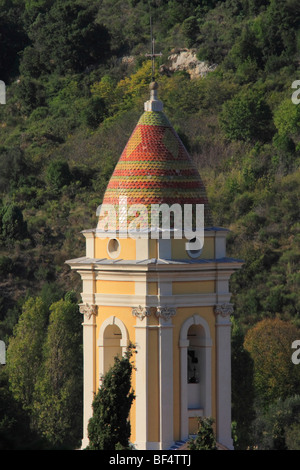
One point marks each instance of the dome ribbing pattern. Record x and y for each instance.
(155, 168)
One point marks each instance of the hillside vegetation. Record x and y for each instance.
(77, 77)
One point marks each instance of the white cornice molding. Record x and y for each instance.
(171, 266)
(179, 275)
(190, 300)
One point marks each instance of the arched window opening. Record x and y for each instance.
(113, 341)
(112, 345)
(196, 373)
(195, 358)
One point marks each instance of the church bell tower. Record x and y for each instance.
(171, 301)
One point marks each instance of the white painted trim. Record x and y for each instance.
(150, 276)
(220, 245)
(164, 248)
(90, 244)
(113, 254)
(142, 248)
(190, 300)
(166, 383)
(194, 413)
(89, 329)
(223, 381)
(207, 266)
(141, 383)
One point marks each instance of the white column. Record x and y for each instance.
(223, 345)
(90, 244)
(141, 386)
(184, 426)
(165, 338)
(89, 348)
(164, 248)
(166, 383)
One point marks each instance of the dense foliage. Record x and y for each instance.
(77, 77)
(44, 367)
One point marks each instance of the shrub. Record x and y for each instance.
(205, 439)
(58, 174)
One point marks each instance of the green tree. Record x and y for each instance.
(245, 47)
(205, 439)
(95, 112)
(15, 431)
(13, 39)
(109, 427)
(278, 427)
(269, 343)
(242, 388)
(24, 352)
(279, 25)
(13, 225)
(246, 117)
(65, 38)
(13, 168)
(58, 392)
(58, 174)
(190, 30)
(31, 93)
(287, 118)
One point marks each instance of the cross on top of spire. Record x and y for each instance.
(153, 54)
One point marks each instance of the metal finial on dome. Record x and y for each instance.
(153, 104)
(153, 54)
(153, 86)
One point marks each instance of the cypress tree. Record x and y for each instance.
(109, 428)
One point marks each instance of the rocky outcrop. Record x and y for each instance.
(186, 59)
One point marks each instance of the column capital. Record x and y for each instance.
(88, 310)
(224, 310)
(165, 312)
(141, 312)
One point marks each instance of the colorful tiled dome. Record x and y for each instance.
(155, 167)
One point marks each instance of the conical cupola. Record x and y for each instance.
(155, 167)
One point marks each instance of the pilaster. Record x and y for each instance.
(223, 382)
(89, 348)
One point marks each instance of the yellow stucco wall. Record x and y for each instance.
(128, 248)
(193, 425)
(178, 248)
(153, 248)
(153, 390)
(152, 288)
(115, 287)
(127, 251)
(193, 287)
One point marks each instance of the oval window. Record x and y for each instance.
(194, 253)
(113, 248)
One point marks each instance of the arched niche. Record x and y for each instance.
(113, 341)
(195, 368)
